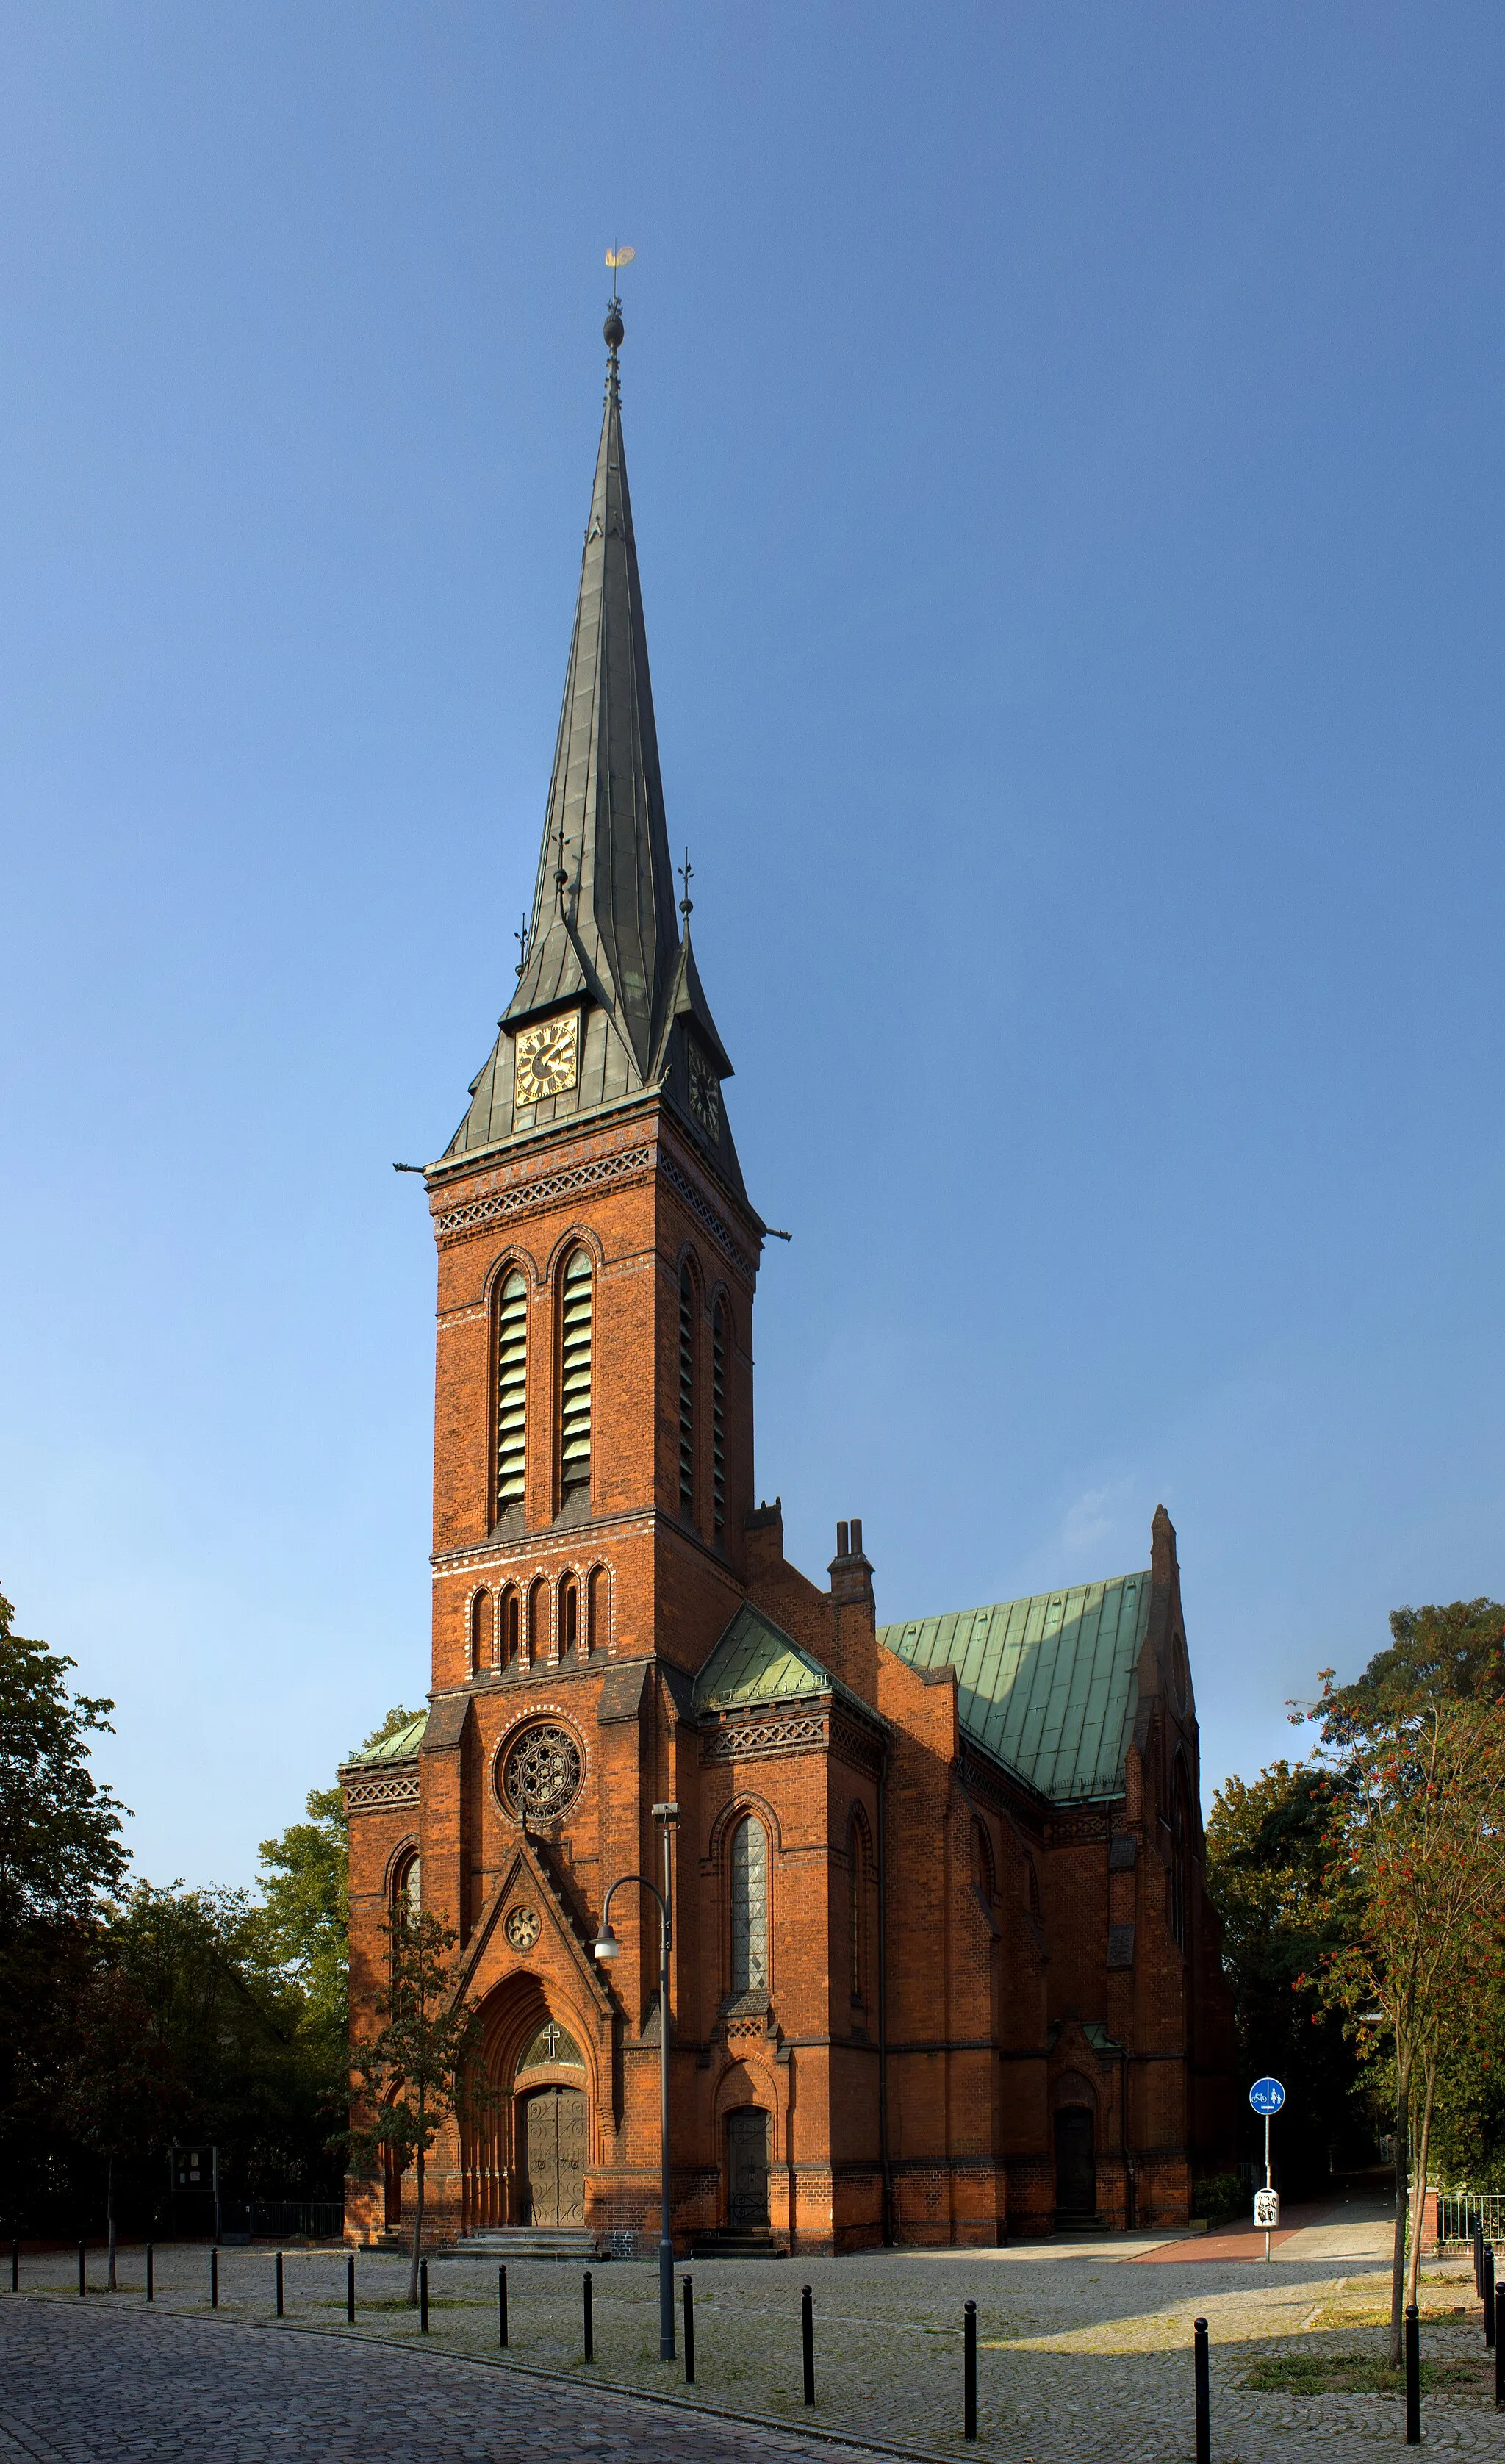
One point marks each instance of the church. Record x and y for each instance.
(942, 1966)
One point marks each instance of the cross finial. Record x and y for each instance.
(686, 872)
(612, 330)
(522, 941)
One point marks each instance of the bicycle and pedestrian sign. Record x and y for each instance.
(1267, 2096)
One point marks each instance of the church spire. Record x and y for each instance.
(603, 909)
(608, 1004)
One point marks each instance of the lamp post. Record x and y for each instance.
(606, 1948)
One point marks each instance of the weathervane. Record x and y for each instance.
(686, 872)
(613, 329)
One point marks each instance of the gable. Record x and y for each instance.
(755, 1662)
(1047, 1686)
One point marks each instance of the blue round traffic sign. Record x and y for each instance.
(1267, 2096)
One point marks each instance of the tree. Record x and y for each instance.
(118, 2089)
(60, 1848)
(1417, 1817)
(412, 2071)
(305, 1917)
(1268, 1860)
(1435, 1654)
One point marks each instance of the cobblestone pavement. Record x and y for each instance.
(1084, 2359)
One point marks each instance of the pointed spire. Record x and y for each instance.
(603, 910)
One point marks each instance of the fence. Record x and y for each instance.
(1459, 2210)
(295, 2219)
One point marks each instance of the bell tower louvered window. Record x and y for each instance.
(686, 1391)
(749, 1908)
(719, 1414)
(574, 1408)
(512, 1391)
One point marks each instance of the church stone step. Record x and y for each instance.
(528, 2242)
(751, 2242)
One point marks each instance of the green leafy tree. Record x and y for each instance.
(60, 1846)
(305, 1917)
(1436, 1654)
(412, 2073)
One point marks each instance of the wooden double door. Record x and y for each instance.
(554, 2156)
(747, 2168)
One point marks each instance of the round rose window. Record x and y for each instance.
(541, 1776)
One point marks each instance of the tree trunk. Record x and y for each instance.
(1422, 2155)
(1403, 2125)
(418, 2234)
(109, 2215)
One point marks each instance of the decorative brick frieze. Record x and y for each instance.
(757, 1739)
(706, 1215)
(380, 1795)
(532, 1195)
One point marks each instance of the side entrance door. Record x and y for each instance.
(747, 2168)
(554, 2138)
(1075, 2163)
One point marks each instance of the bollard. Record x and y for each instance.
(1413, 2377)
(423, 2297)
(15, 2267)
(83, 2281)
(501, 2307)
(1203, 2390)
(969, 2371)
(689, 2331)
(114, 2287)
(1477, 2237)
(808, 2339)
(588, 2317)
(280, 2284)
(151, 2291)
(1499, 2348)
(1489, 2294)
(349, 2290)
(214, 2282)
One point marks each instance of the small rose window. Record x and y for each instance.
(541, 1776)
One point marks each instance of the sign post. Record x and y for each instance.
(1267, 2096)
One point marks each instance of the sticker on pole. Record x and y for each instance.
(1267, 2210)
(1267, 2096)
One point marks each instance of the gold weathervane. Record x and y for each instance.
(616, 257)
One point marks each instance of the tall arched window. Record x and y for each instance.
(568, 1616)
(686, 1391)
(598, 1609)
(510, 1628)
(574, 1374)
(749, 1908)
(1177, 1880)
(512, 1391)
(983, 1862)
(857, 1913)
(718, 1342)
(407, 1879)
(538, 1620)
(482, 1630)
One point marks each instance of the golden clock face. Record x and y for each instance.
(706, 1093)
(548, 1058)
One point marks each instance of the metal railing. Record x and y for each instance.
(1459, 2210)
(295, 2219)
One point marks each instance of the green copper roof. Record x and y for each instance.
(1047, 1686)
(755, 1662)
(393, 1750)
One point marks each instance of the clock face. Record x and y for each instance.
(706, 1093)
(548, 1058)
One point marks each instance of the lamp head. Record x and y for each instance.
(606, 1945)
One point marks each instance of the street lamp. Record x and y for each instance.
(606, 1948)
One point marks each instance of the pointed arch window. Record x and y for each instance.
(537, 1619)
(686, 1391)
(482, 1633)
(512, 1391)
(574, 1380)
(718, 1342)
(510, 1628)
(749, 1908)
(1180, 1827)
(598, 1609)
(857, 1859)
(568, 1616)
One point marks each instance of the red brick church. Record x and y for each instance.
(943, 1968)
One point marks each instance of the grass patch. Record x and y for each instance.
(1347, 2374)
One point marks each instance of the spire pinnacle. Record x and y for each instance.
(686, 872)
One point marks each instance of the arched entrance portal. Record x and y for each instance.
(525, 2130)
(1075, 2164)
(747, 2168)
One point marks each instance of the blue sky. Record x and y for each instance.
(1065, 450)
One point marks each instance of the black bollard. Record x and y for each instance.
(1203, 2390)
(1488, 2294)
(423, 2297)
(349, 2289)
(1499, 2348)
(808, 2339)
(83, 2281)
(1413, 2377)
(15, 2267)
(588, 2317)
(969, 2371)
(280, 2284)
(689, 2331)
(501, 2307)
(151, 2290)
(214, 2282)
